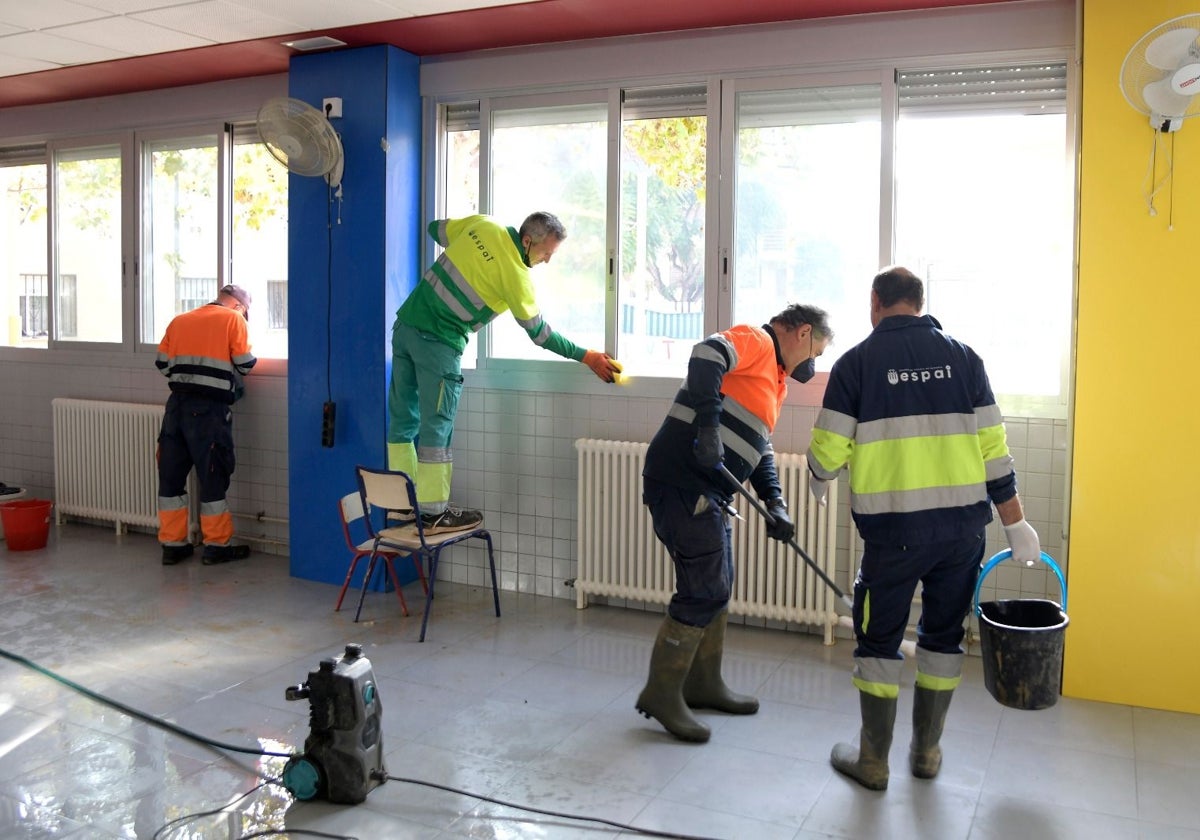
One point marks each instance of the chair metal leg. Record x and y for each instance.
(421, 572)
(346, 582)
(492, 563)
(387, 558)
(366, 579)
(433, 558)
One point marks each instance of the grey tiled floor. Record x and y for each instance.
(534, 708)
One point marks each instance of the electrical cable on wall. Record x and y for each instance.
(1153, 187)
(329, 409)
(302, 138)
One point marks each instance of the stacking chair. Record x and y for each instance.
(351, 510)
(391, 490)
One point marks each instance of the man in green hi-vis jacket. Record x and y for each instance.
(483, 272)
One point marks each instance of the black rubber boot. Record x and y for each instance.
(216, 554)
(929, 718)
(662, 698)
(868, 764)
(172, 554)
(704, 688)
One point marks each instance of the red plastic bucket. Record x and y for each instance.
(26, 523)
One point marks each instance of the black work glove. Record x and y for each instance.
(709, 451)
(782, 529)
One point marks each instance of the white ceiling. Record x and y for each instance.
(37, 35)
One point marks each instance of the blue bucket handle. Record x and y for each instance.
(1001, 556)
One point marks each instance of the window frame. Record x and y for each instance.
(143, 140)
(31, 135)
(718, 296)
(55, 150)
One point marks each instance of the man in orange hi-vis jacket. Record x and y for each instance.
(204, 354)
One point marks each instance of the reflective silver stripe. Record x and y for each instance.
(988, 415)
(708, 353)
(836, 422)
(434, 454)
(915, 425)
(203, 361)
(461, 283)
(998, 467)
(172, 502)
(729, 346)
(945, 665)
(730, 439)
(907, 501)
(819, 471)
(735, 409)
(199, 379)
(878, 671)
(244, 361)
(214, 508)
(447, 297)
(543, 329)
(440, 235)
(739, 412)
(741, 446)
(681, 412)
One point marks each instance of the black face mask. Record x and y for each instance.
(805, 371)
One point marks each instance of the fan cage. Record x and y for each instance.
(1137, 72)
(299, 136)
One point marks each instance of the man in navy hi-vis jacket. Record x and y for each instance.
(910, 411)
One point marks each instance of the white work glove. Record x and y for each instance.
(818, 487)
(1024, 542)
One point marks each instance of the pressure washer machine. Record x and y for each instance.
(343, 754)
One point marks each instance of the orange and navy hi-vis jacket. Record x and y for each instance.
(205, 352)
(736, 380)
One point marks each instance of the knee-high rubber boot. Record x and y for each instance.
(704, 688)
(929, 718)
(868, 764)
(662, 698)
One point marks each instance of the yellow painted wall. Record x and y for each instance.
(1134, 586)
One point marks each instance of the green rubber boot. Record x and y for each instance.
(868, 764)
(929, 718)
(704, 688)
(662, 698)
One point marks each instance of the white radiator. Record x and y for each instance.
(619, 555)
(104, 461)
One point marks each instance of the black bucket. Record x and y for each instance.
(1022, 644)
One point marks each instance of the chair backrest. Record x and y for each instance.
(351, 509)
(385, 489)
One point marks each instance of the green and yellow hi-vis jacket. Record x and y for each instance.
(481, 273)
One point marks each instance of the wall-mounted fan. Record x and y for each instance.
(301, 138)
(1161, 74)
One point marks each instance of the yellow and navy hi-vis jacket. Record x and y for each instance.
(910, 410)
(481, 273)
(736, 380)
(206, 352)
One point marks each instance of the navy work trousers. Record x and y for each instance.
(695, 530)
(887, 581)
(195, 431)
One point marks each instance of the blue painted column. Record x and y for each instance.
(350, 263)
